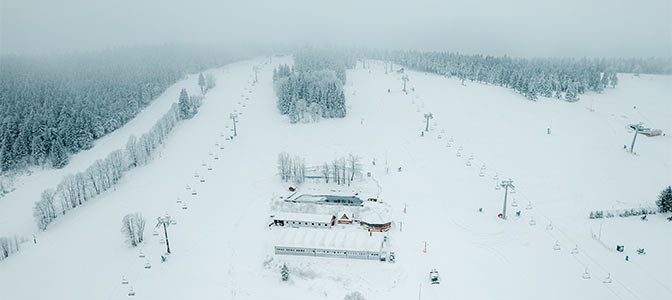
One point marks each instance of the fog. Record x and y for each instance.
(527, 28)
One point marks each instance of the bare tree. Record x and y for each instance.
(132, 151)
(336, 170)
(133, 228)
(284, 166)
(326, 172)
(354, 165)
(44, 210)
(8, 246)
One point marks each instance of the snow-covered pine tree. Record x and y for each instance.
(354, 296)
(570, 95)
(201, 82)
(284, 272)
(613, 80)
(605, 79)
(58, 156)
(185, 105)
(664, 201)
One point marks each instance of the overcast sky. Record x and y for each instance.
(530, 28)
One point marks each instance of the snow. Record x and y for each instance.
(222, 247)
(340, 237)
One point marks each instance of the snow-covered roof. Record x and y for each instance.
(336, 238)
(287, 216)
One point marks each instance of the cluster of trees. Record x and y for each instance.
(9, 246)
(600, 214)
(188, 105)
(354, 296)
(206, 83)
(313, 88)
(291, 168)
(58, 105)
(133, 228)
(561, 78)
(664, 204)
(103, 174)
(342, 170)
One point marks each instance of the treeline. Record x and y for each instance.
(313, 88)
(55, 106)
(561, 78)
(340, 171)
(103, 174)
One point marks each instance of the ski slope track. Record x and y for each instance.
(222, 247)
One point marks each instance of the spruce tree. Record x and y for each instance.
(285, 273)
(201, 82)
(185, 105)
(664, 201)
(605, 79)
(570, 96)
(614, 80)
(59, 156)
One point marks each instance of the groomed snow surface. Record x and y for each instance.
(223, 249)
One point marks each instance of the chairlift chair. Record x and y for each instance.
(575, 250)
(124, 280)
(608, 279)
(532, 221)
(556, 247)
(585, 275)
(131, 292)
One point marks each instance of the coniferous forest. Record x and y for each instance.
(313, 87)
(55, 106)
(562, 78)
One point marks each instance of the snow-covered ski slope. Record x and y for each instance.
(220, 242)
